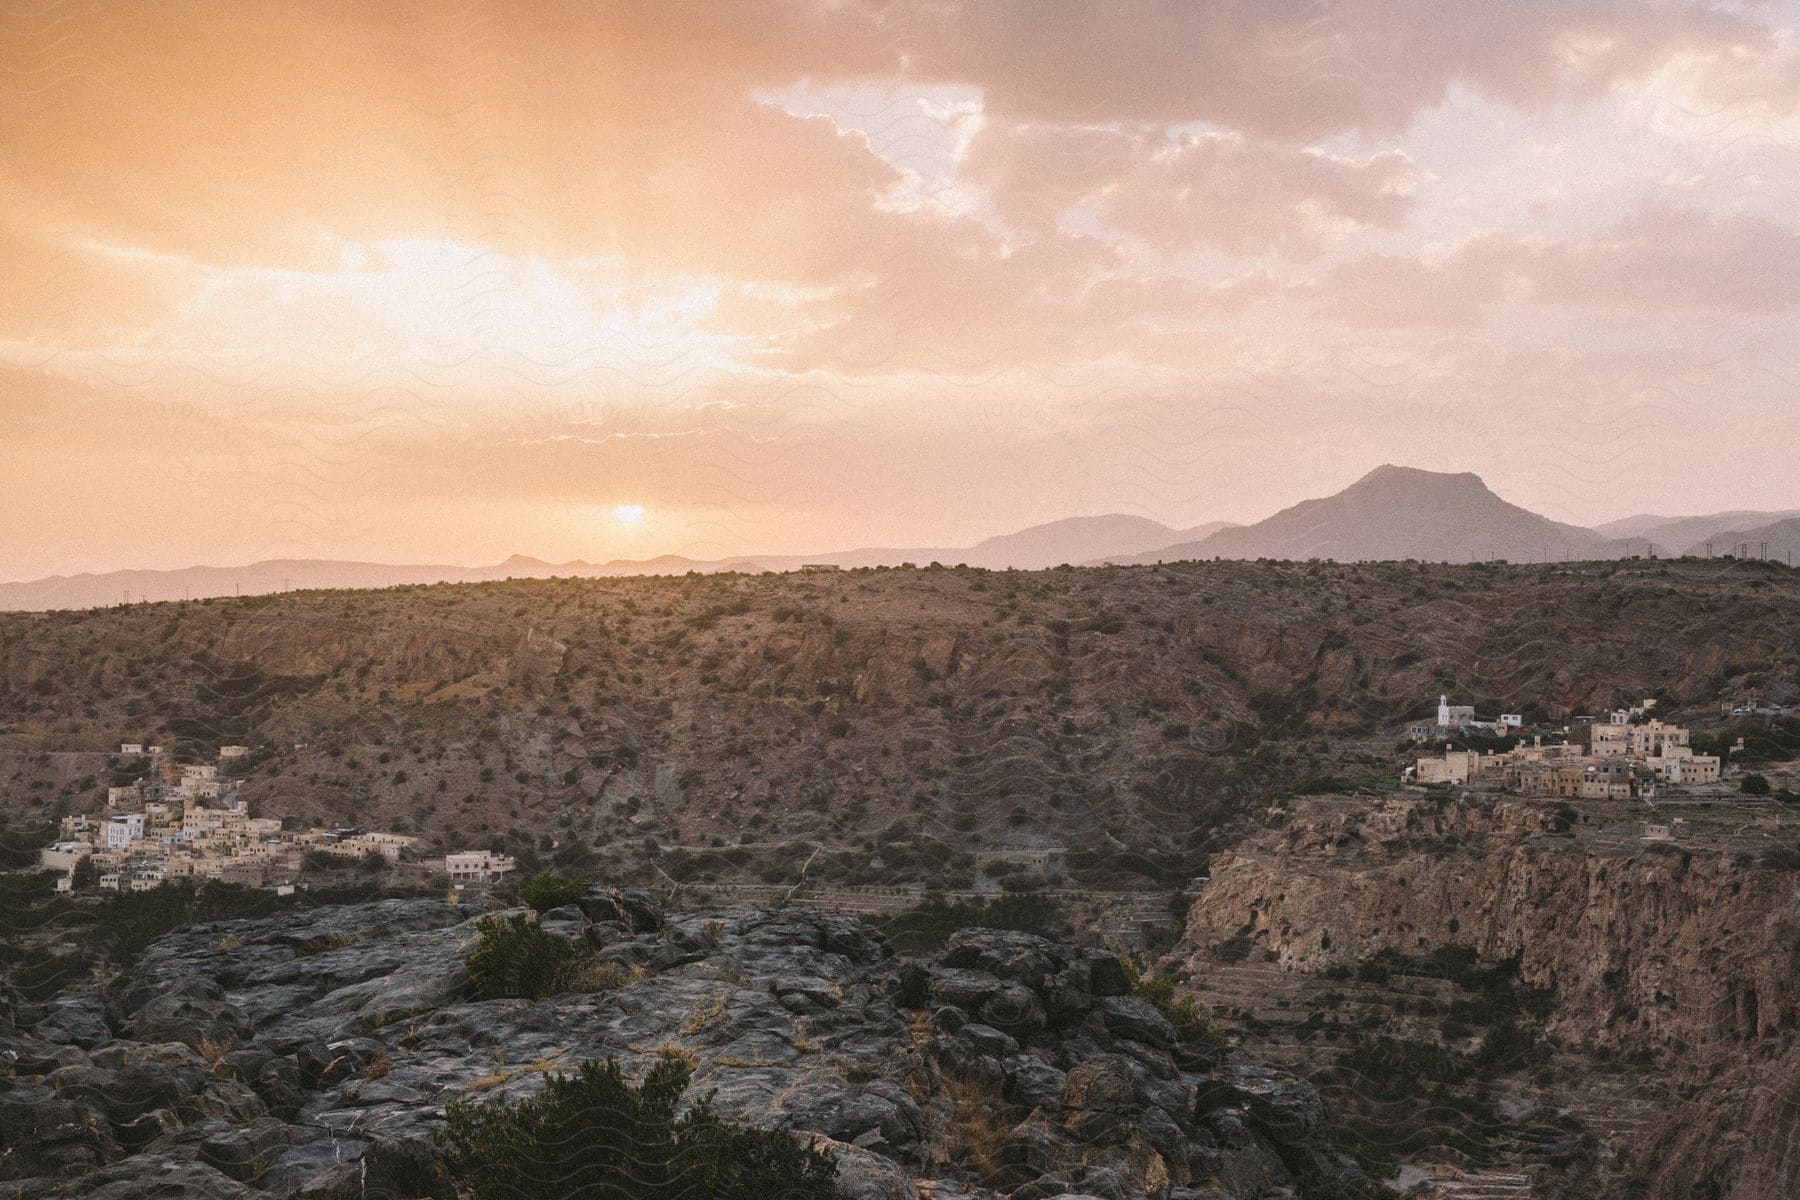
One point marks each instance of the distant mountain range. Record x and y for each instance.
(1390, 513)
(1779, 540)
(1396, 513)
(1674, 534)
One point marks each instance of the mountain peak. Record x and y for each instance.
(1394, 473)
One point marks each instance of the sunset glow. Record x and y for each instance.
(346, 282)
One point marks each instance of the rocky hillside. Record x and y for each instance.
(890, 720)
(1578, 1006)
(310, 1055)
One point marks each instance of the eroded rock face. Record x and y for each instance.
(1011, 1067)
(1681, 964)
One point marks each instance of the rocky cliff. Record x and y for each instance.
(1675, 965)
(310, 1055)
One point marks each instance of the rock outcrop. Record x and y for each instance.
(239, 1060)
(1677, 965)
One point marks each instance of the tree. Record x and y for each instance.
(85, 876)
(592, 1134)
(516, 959)
(548, 889)
(1754, 785)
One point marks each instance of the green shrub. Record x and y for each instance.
(516, 959)
(547, 890)
(591, 1134)
(1754, 785)
(1193, 1024)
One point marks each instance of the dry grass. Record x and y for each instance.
(602, 977)
(213, 1050)
(489, 1082)
(378, 1066)
(231, 942)
(977, 1134)
(703, 1017)
(682, 1052)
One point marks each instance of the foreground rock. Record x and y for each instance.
(233, 1062)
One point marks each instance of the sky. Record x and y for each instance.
(443, 283)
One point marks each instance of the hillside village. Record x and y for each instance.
(186, 821)
(1629, 755)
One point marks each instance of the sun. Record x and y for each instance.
(628, 514)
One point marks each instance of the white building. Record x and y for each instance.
(226, 753)
(1453, 714)
(131, 747)
(476, 866)
(122, 829)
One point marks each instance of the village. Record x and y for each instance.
(1629, 755)
(186, 821)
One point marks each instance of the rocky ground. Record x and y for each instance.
(311, 1055)
(1518, 1000)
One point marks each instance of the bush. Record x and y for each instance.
(515, 959)
(547, 890)
(1754, 785)
(1193, 1024)
(591, 1134)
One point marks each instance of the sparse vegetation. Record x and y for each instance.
(548, 889)
(516, 959)
(1193, 1024)
(595, 1135)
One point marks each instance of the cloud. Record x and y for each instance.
(1656, 259)
(710, 250)
(1178, 191)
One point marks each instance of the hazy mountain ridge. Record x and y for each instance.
(1402, 513)
(1778, 541)
(1392, 513)
(1676, 535)
(1071, 540)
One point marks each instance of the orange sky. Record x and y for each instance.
(596, 280)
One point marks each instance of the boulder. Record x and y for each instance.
(865, 1175)
(1099, 1098)
(77, 1020)
(245, 1152)
(964, 989)
(192, 1011)
(1273, 1100)
(1007, 954)
(1136, 1019)
(1016, 1009)
(1032, 1082)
